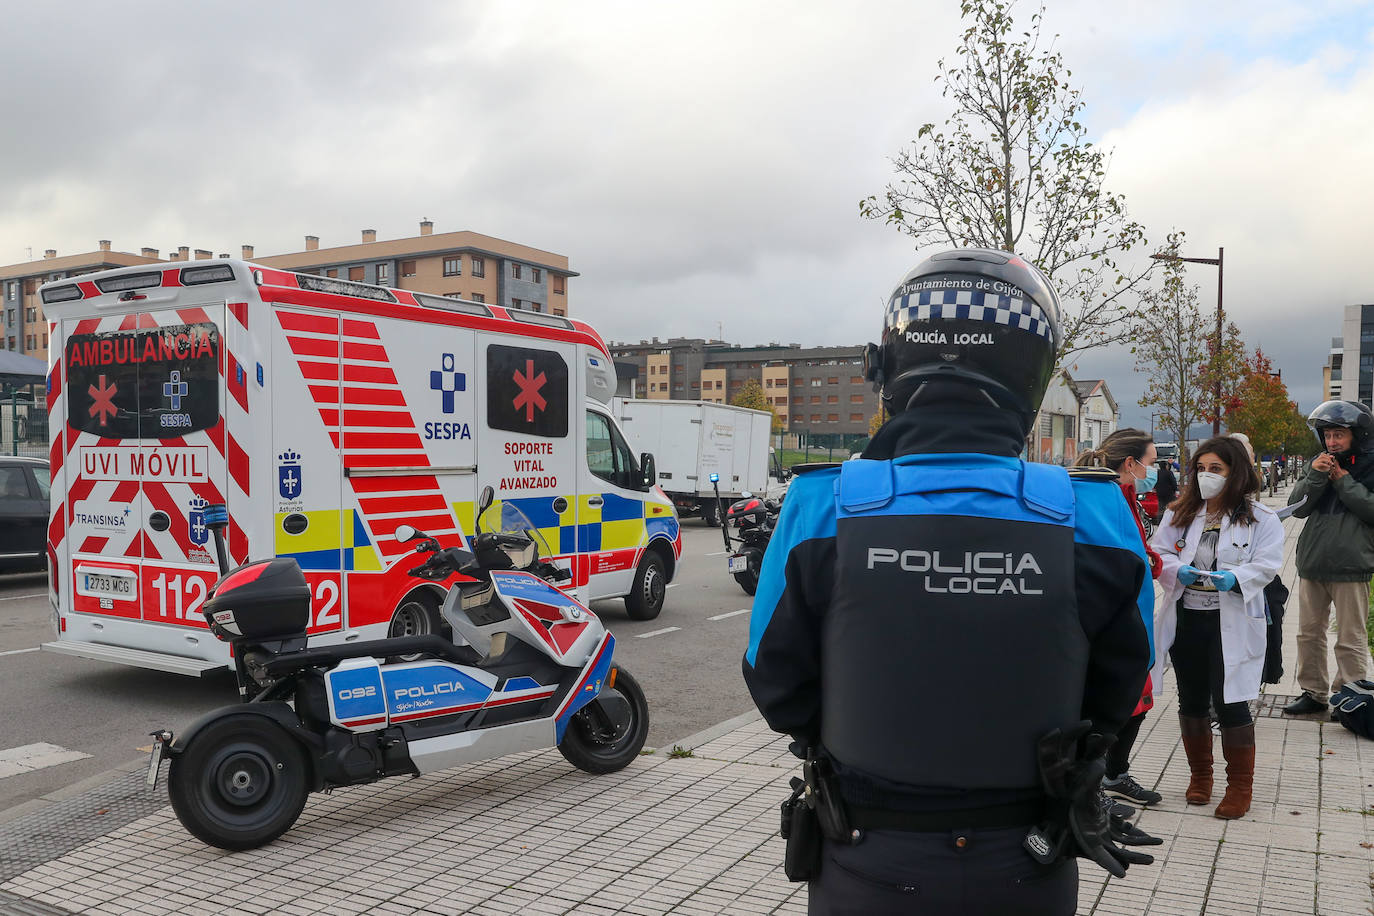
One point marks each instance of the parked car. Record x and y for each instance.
(24, 484)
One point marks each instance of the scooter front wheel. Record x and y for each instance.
(609, 732)
(241, 782)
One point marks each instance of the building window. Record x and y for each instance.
(719, 385)
(815, 418)
(796, 383)
(536, 275)
(815, 383)
(833, 399)
(856, 380)
(515, 271)
(696, 385)
(30, 314)
(11, 316)
(453, 267)
(558, 284)
(355, 273)
(332, 272)
(11, 343)
(832, 418)
(478, 297)
(832, 381)
(856, 399)
(12, 291)
(479, 267)
(515, 303)
(815, 399)
(383, 273)
(45, 341)
(407, 268)
(798, 400)
(29, 342)
(856, 418)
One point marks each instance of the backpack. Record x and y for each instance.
(1354, 708)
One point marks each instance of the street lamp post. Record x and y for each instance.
(1216, 383)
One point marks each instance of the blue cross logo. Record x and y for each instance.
(447, 381)
(175, 389)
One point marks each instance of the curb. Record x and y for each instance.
(713, 732)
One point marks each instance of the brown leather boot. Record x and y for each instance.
(1238, 747)
(1197, 744)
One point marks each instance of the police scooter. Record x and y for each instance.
(754, 520)
(536, 671)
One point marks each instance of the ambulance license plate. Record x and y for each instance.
(739, 563)
(115, 586)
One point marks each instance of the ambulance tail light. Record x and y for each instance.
(129, 281)
(217, 273)
(65, 293)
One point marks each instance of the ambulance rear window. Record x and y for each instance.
(149, 383)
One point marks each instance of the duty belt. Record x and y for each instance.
(1012, 814)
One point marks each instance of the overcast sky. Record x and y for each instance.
(700, 164)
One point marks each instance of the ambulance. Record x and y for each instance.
(323, 413)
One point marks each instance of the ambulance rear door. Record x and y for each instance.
(146, 442)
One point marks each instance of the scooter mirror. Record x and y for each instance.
(406, 533)
(485, 500)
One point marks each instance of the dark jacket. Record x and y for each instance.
(867, 658)
(1337, 541)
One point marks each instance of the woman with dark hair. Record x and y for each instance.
(1131, 454)
(1220, 548)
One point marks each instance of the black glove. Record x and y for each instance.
(1072, 778)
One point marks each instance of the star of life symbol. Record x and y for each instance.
(174, 389)
(195, 521)
(289, 475)
(447, 381)
(529, 385)
(102, 400)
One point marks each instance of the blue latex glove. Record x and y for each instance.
(1187, 575)
(1224, 580)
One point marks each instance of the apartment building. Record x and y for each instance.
(463, 265)
(23, 326)
(813, 390)
(466, 265)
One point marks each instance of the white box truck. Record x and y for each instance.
(691, 440)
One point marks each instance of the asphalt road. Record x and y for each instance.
(691, 674)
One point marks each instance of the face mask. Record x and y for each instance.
(1209, 484)
(1147, 483)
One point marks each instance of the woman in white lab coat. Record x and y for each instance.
(1220, 547)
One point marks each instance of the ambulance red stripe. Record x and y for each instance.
(300, 321)
(358, 439)
(369, 375)
(238, 466)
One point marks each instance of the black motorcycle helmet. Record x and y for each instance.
(981, 317)
(1352, 415)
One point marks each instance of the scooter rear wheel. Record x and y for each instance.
(749, 579)
(609, 732)
(241, 782)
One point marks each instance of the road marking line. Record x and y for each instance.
(17, 597)
(673, 584)
(18, 651)
(657, 632)
(31, 757)
(731, 614)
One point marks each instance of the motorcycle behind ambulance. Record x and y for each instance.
(534, 669)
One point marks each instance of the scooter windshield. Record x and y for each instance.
(505, 517)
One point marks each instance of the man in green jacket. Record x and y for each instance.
(1335, 551)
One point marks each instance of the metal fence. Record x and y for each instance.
(23, 426)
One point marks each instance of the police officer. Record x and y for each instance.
(950, 633)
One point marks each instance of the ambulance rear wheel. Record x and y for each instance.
(241, 783)
(645, 599)
(417, 615)
(609, 732)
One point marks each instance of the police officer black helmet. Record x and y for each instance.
(1351, 415)
(976, 316)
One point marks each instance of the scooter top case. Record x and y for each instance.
(266, 599)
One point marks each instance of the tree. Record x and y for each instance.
(876, 421)
(1260, 407)
(1012, 169)
(1225, 370)
(1170, 346)
(751, 395)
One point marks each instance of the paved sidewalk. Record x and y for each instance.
(529, 834)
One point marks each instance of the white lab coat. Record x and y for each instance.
(1255, 554)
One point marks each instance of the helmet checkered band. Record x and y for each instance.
(974, 305)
